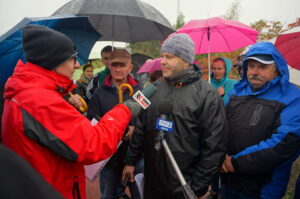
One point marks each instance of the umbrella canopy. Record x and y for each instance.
(218, 35)
(138, 60)
(288, 44)
(76, 28)
(121, 20)
(150, 66)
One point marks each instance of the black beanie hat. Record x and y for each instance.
(45, 47)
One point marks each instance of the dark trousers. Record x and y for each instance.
(229, 193)
(215, 184)
(111, 185)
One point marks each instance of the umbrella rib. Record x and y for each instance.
(201, 42)
(224, 40)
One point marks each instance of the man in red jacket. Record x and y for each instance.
(42, 127)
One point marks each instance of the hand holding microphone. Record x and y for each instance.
(141, 100)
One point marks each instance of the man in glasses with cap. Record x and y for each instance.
(264, 129)
(42, 127)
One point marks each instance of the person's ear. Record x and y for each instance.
(130, 67)
(186, 64)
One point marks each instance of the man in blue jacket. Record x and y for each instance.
(264, 128)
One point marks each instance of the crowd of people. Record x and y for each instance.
(230, 139)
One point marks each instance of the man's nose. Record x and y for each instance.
(254, 70)
(163, 60)
(77, 65)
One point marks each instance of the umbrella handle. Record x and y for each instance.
(121, 91)
(84, 106)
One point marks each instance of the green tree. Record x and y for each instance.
(150, 48)
(180, 21)
(267, 29)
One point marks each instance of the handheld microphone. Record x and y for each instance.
(141, 100)
(165, 108)
(142, 97)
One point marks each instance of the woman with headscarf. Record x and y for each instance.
(220, 77)
(84, 81)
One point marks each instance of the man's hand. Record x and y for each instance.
(227, 165)
(206, 195)
(75, 100)
(129, 133)
(128, 171)
(221, 90)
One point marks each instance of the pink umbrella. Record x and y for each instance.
(218, 35)
(150, 66)
(288, 44)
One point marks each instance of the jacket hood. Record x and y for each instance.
(228, 66)
(265, 48)
(28, 76)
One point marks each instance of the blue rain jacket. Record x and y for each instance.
(225, 82)
(264, 131)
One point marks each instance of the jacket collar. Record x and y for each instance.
(130, 80)
(187, 76)
(31, 76)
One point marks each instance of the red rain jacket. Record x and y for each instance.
(43, 128)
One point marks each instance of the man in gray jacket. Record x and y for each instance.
(198, 138)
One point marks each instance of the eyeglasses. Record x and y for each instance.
(75, 59)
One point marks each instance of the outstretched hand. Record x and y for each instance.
(128, 171)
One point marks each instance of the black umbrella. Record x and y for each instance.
(138, 60)
(121, 20)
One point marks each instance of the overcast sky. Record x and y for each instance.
(286, 11)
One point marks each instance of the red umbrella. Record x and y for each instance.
(288, 44)
(150, 66)
(218, 35)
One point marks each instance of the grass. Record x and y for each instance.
(290, 191)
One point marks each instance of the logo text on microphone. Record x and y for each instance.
(164, 125)
(140, 98)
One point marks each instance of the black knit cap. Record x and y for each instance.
(46, 47)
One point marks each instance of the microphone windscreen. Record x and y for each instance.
(149, 91)
(165, 106)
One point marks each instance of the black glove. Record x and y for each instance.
(134, 107)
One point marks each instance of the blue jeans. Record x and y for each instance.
(229, 193)
(111, 184)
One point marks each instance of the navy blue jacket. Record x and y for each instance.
(264, 131)
(104, 99)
